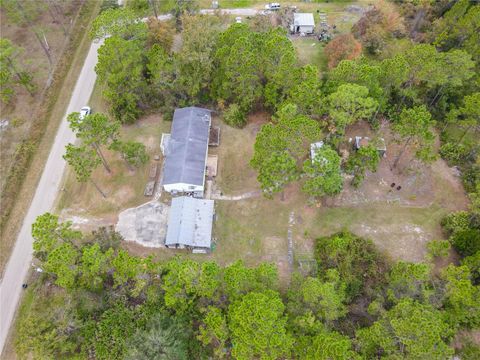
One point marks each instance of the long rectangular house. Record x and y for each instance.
(190, 224)
(186, 152)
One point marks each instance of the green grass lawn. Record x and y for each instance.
(310, 51)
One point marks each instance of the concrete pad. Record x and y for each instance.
(146, 224)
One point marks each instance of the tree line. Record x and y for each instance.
(95, 300)
(241, 68)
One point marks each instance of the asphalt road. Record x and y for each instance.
(43, 200)
(20, 260)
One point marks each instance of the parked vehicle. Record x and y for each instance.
(84, 111)
(272, 6)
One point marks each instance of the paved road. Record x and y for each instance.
(47, 189)
(21, 257)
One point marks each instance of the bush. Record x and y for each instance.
(453, 152)
(470, 178)
(357, 260)
(473, 263)
(438, 248)
(466, 242)
(235, 116)
(470, 351)
(454, 222)
(139, 6)
(109, 4)
(342, 47)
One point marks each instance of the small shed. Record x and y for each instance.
(379, 143)
(314, 147)
(303, 23)
(190, 224)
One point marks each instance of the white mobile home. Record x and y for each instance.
(187, 150)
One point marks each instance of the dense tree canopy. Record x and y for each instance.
(410, 330)
(322, 173)
(121, 67)
(258, 328)
(116, 305)
(95, 299)
(281, 147)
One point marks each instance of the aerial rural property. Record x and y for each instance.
(240, 179)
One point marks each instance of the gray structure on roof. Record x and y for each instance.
(187, 147)
(190, 223)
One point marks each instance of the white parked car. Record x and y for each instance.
(238, 19)
(84, 111)
(272, 6)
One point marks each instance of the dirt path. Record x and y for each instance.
(247, 195)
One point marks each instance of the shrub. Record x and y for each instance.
(466, 242)
(357, 260)
(457, 221)
(438, 248)
(343, 47)
(470, 178)
(453, 152)
(139, 6)
(235, 116)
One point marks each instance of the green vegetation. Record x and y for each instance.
(323, 173)
(12, 73)
(96, 130)
(280, 148)
(366, 158)
(352, 301)
(119, 306)
(25, 150)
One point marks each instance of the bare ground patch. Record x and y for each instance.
(421, 185)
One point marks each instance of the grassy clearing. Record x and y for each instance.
(256, 229)
(311, 51)
(19, 191)
(235, 175)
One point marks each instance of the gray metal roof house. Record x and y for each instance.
(186, 152)
(190, 224)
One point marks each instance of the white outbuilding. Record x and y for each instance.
(303, 23)
(190, 224)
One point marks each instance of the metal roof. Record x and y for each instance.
(187, 147)
(190, 222)
(303, 19)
